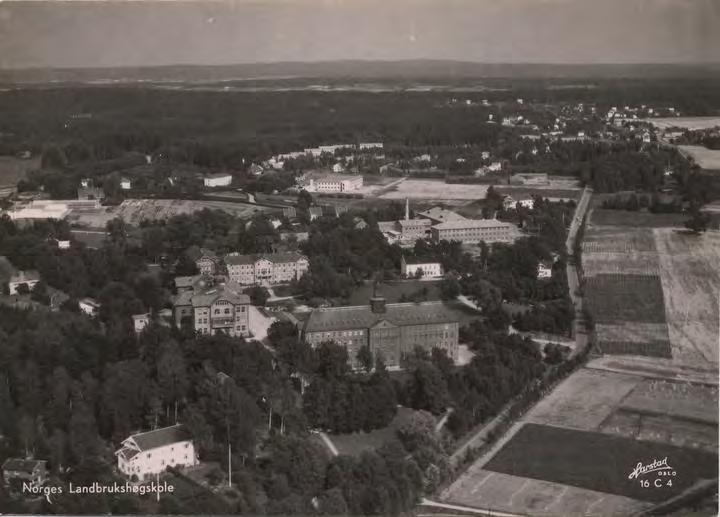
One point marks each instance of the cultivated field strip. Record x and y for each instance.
(612, 298)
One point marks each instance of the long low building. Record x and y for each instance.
(389, 330)
(472, 231)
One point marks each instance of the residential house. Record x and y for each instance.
(144, 455)
(89, 306)
(207, 262)
(544, 270)
(360, 223)
(140, 321)
(338, 167)
(125, 183)
(214, 309)
(19, 470)
(495, 166)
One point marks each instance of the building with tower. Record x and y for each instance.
(390, 330)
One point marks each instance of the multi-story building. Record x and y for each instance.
(146, 454)
(471, 231)
(333, 183)
(389, 330)
(211, 310)
(405, 231)
(270, 268)
(413, 268)
(205, 260)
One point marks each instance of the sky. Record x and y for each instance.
(79, 33)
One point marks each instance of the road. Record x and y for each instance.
(573, 276)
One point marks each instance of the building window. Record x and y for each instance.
(149, 454)
(242, 309)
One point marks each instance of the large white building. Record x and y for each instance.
(411, 268)
(472, 231)
(328, 183)
(144, 455)
(217, 180)
(270, 268)
(214, 309)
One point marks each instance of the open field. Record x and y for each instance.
(606, 217)
(598, 461)
(435, 189)
(482, 489)
(632, 331)
(692, 123)
(133, 211)
(618, 263)
(682, 400)
(607, 239)
(613, 298)
(553, 193)
(704, 157)
(690, 276)
(584, 400)
(392, 291)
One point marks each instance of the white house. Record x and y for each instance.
(150, 453)
(428, 269)
(126, 184)
(544, 270)
(140, 321)
(89, 306)
(217, 180)
(338, 167)
(29, 278)
(495, 166)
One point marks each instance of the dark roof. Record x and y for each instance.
(231, 292)
(22, 465)
(161, 437)
(290, 256)
(400, 314)
(91, 239)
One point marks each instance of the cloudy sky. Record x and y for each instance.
(146, 32)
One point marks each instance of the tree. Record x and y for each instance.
(365, 357)
(258, 295)
(22, 289)
(698, 221)
(428, 389)
(172, 376)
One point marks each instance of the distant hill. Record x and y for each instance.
(358, 70)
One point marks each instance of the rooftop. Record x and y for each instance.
(218, 175)
(25, 276)
(161, 437)
(361, 316)
(291, 256)
(230, 292)
(440, 214)
(472, 223)
(22, 465)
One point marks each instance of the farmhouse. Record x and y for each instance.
(19, 470)
(150, 453)
(415, 268)
(272, 268)
(389, 330)
(221, 179)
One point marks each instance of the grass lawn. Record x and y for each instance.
(392, 291)
(600, 462)
(355, 443)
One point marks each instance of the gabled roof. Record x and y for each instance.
(362, 317)
(25, 276)
(22, 465)
(231, 292)
(160, 437)
(440, 214)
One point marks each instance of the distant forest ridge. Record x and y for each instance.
(360, 70)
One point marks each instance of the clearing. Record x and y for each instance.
(704, 157)
(598, 461)
(690, 278)
(435, 190)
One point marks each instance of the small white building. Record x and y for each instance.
(544, 270)
(89, 306)
(510, 203)
(29, 278)
(146, 454)
(126, 184)
(338, 167)
(495, 166)
(334, 183)
(140, 321)
(428, 269)
(217, 180)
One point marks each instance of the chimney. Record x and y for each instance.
(407, 209)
